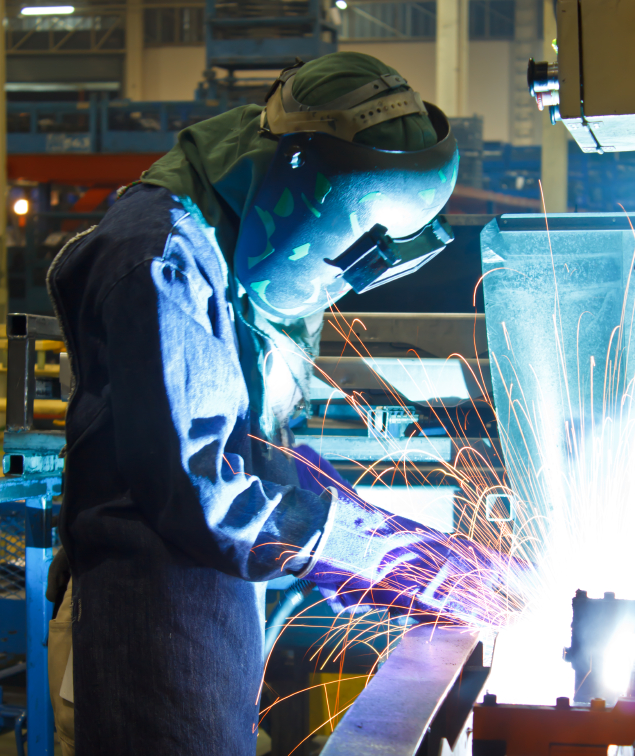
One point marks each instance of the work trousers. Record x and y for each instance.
(59, 652)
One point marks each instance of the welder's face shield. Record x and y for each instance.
(314, 230)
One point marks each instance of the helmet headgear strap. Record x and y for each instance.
(343, 117)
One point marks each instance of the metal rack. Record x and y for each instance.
(115, 126)
(33, 470)
(257, 35)
(52, 126)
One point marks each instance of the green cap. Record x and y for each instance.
(332, 76)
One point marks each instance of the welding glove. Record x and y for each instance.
(371, 558)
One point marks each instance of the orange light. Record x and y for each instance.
(21, 207)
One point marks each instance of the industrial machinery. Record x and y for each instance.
(422, 702)
(254, 37)
(404, 412)
(578, 267)
(390, 395)
(586, 87)
(602, 635)
(582, 262)
(425, 692)
(560, 730)
(33, 468)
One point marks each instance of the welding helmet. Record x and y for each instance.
(333, 215)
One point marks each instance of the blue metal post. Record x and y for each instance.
(39, 717)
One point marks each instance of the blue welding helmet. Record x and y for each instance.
(333, 215)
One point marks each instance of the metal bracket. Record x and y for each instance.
(22, 332)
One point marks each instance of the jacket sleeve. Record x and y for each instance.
(181, 419)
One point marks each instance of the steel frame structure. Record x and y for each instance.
(33, 469)
(60, 40)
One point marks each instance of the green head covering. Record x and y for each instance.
(337, 74)
(220, 163)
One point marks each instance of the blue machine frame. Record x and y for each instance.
(36, 127)
(245, 53)
(152, 126)
(33, 469)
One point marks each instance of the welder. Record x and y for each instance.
(191, 315)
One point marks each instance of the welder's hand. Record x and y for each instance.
(372, 558)
(316, 474)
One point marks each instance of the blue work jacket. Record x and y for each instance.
(175, 510)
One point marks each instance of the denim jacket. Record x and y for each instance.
(173, 503)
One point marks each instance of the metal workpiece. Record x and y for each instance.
(406, 356)
(22, 325)
(22, 332)
(600, 626)
(421, 690)
(417, 449)
(429, 335)
(368, 449)
(437, 382)
(560, 730)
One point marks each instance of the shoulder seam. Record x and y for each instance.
(57, 261)
(144, 261)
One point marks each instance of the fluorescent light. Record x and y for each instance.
(47, 10)
(341, 4)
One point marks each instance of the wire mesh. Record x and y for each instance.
(12, 554)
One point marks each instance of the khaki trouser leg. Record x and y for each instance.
(60, 646)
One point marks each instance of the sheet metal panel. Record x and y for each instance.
(392, 715)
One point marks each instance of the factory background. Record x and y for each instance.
(156, 52)
(122, 79)
(95, 96)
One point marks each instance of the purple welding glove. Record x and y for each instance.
(370, 558)
(316, 474)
